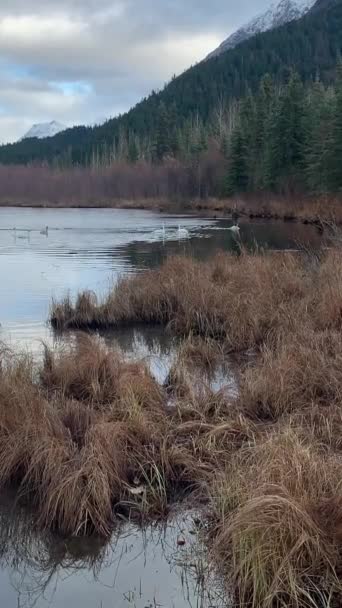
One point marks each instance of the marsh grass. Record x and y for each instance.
(305, 369)
(93, 430)
(74, 435)
(274, 533)
(240, 300)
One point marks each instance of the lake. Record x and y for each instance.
(90, 249)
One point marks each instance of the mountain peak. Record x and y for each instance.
(44, 129)
(278, 14)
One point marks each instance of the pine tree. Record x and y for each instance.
(335, 172)
(237, 180)
(286, 136)
(263, 105)
(133, 151)
(318, 121)
(162, 148)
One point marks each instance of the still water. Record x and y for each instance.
(89, 249)
(137, 569)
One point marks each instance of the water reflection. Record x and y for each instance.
(136, 568)
(90, 248)
(204, 243)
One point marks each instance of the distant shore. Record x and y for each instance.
(289, 209)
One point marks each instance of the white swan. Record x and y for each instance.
(183, 232)
(235, 229)
(45, 232)
(161, 232)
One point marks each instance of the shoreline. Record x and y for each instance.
(89, 436)
(306, 212)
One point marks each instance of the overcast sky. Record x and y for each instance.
(81, 61)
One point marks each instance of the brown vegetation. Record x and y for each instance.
(87, 435)
(168, 186)
(306, 209)
(118, 185)
(90, 434)
(270, 459)
(79, 438)
(242, 300)
(279, 508)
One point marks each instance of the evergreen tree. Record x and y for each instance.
(335, 177)
(318, 124)
(237, 180)
(263, 104)
(162, 148)
(133, 151)
(286, 136)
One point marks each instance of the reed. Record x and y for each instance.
(240, 300)
(89, 434)
(78, 433)
(278, 508)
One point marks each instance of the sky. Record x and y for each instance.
(82, 61)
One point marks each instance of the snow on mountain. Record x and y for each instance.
(44, 129)
(278, 14)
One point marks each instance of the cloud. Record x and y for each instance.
(81, 61)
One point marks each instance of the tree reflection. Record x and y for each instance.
(39, 563)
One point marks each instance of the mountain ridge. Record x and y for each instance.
(311, 45)
(44, 129)
(276, 15)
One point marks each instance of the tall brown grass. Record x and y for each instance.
(305, 369)
(93, 430)
(278, 509)
(80, 434)
(239, 299)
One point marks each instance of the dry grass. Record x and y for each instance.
(87, 434)
(308, 210)
(241, 300)
(279, 523)
(305, 369)
(92, 430)
(78, 444)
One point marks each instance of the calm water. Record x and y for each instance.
(136, 569)
(89, 249)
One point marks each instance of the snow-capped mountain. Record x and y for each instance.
(45, 129)
(278, 14)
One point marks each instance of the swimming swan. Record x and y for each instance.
(183, 232)
(234, 228)
(161, 232)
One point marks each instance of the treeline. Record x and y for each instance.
(284, 139)
(311, 46)
(287, 139)
(120, 183)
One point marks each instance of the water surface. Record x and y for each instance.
(90, 248)
(137, 568)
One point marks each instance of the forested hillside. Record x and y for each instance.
(180, 121)
(287, 138)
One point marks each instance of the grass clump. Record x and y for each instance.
(94, 430)
(78, 434)
(274, 535)
(305, 369)
(238, 299)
